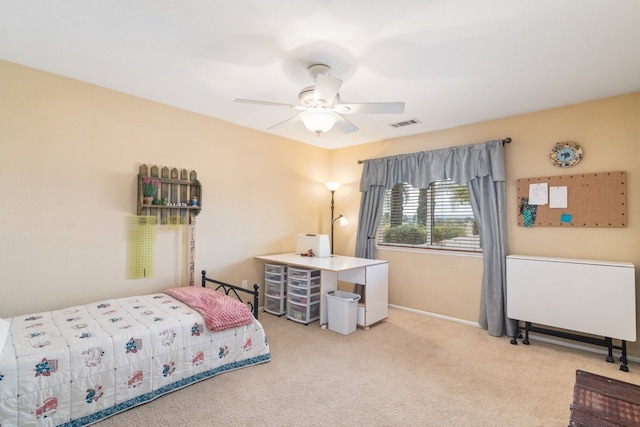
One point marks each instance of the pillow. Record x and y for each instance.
(4, 332)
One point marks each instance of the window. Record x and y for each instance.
(438, 217)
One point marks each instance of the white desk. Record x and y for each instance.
(372, 273)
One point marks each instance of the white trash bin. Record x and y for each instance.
(342, 311)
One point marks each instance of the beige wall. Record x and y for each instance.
(70, 153)
(609, 133)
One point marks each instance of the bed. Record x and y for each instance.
(78, 365)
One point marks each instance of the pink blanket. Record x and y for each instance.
(220, 311)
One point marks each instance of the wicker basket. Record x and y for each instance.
(604, 402)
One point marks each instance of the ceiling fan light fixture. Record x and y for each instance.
(318, 121)
(321, 106)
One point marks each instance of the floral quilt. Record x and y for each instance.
(78, 365)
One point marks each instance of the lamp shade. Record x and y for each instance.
(318, 121)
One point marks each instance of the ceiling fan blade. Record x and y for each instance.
(326, 89)
(371, 108)
(344, 125)
(290, 119)
(253, 101)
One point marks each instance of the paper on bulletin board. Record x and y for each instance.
(538, 194)
(566, 218)
(558, 197)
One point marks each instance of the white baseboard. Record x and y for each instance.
(532, 335)
(439, 316)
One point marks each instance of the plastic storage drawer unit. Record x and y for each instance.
(275, 280)
(303, 303)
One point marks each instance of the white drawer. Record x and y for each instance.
(293, 290)
(303, 313)
(275, 268)
(304, 283)
(303, 273)
(304, 300)
(274, 289)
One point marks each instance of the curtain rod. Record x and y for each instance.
(504, 141)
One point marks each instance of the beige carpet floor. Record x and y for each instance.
(410, 369)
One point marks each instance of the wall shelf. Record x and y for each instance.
(177, 189)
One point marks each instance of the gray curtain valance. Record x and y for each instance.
(460, 164)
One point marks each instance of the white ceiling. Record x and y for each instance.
(453, 62)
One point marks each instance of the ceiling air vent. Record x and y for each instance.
(405, 123)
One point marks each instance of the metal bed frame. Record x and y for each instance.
(226, 288)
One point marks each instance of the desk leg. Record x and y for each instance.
(516, 333)
(328, 283)
(623, 357)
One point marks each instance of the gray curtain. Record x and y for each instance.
(368, 220)
(488, 201)
(481, 167)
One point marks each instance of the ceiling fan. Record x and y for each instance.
(320, 104)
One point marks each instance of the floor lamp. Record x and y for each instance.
(333, 186)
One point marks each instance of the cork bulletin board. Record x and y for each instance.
(592, 200)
